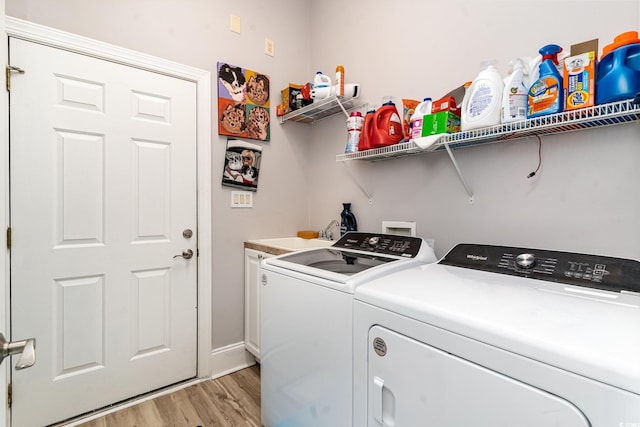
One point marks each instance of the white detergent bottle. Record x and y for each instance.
(482, 101)
(417, 118)
(514, 96)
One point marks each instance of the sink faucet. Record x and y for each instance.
(327, 233)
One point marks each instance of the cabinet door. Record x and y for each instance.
(252, 259)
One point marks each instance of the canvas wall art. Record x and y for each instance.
(243, 103)
(242, 165)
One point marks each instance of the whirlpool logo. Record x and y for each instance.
(627, 424)
(476, 257)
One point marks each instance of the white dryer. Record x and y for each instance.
(499, 336)
(307, 325)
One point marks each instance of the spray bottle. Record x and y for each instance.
(514, 96)
(546, 96)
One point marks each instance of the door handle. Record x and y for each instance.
(186, 254)
(26, 349)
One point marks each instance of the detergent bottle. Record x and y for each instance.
(514, 96)
(366, 135)
(387, 126)
(422, 109)
(618, 75)
(348, 219)
(482, 101)
(546, 95)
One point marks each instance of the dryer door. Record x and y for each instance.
(409, 380)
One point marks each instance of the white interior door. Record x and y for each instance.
(103, 184)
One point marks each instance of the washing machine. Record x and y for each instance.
(307, 324)
(500, 336)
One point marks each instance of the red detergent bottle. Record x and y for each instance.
(387, 126)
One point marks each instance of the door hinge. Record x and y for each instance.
(8, 237)
(12, 69)
(9, 395)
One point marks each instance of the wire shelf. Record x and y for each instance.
(322, 109)
(591, 117)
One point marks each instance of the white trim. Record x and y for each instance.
(59, 39)
(231, 358)
(4, 222)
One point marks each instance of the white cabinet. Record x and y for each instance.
(252, 259)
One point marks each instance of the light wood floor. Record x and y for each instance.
(229, 401)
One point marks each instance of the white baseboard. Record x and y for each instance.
(231, 358)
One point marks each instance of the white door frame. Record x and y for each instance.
(59, 39)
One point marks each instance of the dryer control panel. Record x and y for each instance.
(386, 244)
(608, 273)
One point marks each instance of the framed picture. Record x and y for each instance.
(243, 103)
(242, 165)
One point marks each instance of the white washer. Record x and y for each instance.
(499, 336)
(307, 324)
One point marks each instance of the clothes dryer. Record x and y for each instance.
(500, 336)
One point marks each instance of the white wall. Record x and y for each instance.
(585, 197)
(196, 33)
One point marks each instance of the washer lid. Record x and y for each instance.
(591, 332)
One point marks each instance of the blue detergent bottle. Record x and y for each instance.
(546, 95)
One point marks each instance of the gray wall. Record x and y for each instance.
(196, 33)
(584, 198)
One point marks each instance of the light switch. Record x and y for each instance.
(269, 47)
(235, 23)
(241, 199)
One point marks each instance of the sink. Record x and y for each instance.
(294, 243)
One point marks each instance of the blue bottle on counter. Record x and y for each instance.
(348, 222)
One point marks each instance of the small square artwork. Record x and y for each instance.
(242, 165)
(243, 103)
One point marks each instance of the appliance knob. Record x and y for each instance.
(525, 261)
(374, 240)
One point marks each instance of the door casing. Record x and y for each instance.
(51, 37)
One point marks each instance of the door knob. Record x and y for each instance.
(187, 254)
(26, 349)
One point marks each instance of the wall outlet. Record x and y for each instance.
(234, 23)
(241, 199)
(269, 47)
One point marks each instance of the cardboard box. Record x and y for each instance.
(579, 76)
(448, 103)
(289, 96)
(441, 122)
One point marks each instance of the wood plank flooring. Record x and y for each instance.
(229, 401)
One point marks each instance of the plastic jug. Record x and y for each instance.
(366, 135)
(421, 110)
(321, 80)
(387, 126)
(482, 101)
(618, 75)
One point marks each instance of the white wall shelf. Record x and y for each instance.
(321, 109)
(592, 117)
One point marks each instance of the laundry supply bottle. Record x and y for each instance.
(514, 96)
(387, 126)
(366, 135)
(354, 129)
(340, 80)
(321, 80)
(417, 118)
(348, 222)
(482, 101)
(618, 75)
(546, 95)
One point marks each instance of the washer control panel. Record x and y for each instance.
(387, 244)
(612, 274)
